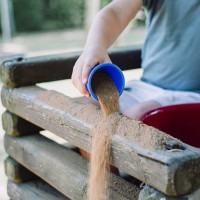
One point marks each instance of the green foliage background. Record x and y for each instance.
(43, 15)
(46, 15)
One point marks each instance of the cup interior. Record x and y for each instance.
(113, 71)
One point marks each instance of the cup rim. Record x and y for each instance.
(120, 90)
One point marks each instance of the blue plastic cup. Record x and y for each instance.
(113, 71)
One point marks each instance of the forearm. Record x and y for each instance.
(110, 22)
(104, 31)
(107, 26)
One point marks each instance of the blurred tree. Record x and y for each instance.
(63, 14)
(28, 15)
(40, 15)
(45, 15)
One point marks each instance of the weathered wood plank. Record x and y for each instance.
(16, 172)
(60, 167)
(29, 71)
(126, 58)
(165, 170)
(147, 193)
(16, 126)
(35, 190)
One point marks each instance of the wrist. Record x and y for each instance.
(95, 50)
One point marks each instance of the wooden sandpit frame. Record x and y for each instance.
(35, 162)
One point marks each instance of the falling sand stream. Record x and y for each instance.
(107, 93)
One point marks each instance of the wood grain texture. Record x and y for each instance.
(164, 170)
(29, 71)
(34, 190)
(148, 192)
(62, 168)
(16, 172)
(16, 126)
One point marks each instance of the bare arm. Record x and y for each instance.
(107, 26)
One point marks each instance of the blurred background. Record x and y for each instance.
(42, 27)
(38, 27)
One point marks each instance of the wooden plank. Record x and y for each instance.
(165, 170)
(127, 58)
(148, 192)
(60, 167)
(16, 172)
(16, 126)
(29, 71)
(33, 190)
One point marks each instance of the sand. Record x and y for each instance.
(108, 96)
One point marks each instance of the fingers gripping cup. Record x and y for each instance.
(113, 71)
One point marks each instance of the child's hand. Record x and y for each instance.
(106, 27)
(90, 57)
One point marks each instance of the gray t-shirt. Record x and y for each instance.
(171, 52)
